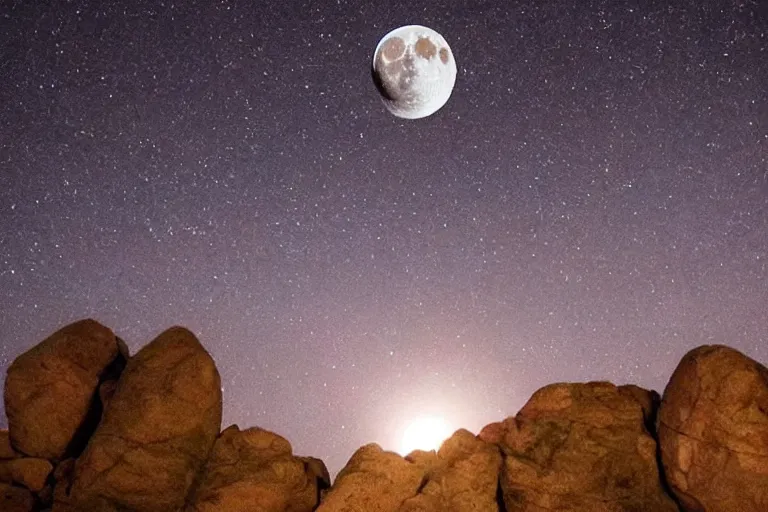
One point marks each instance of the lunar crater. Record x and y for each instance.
(413, 83)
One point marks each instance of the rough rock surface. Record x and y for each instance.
(57, 380)
(255, 471)
(153, 443)
(461, 477)
(373, 480)
(578, 447)
(713, 431)
(29, 472)
(157, 432)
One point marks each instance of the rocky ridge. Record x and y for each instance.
(92, 428)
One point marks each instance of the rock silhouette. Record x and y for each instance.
(93, 429)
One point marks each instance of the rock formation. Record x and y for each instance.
(56, 380)
(94, 429)
(713, 431)
(255, 470)
(581, 447)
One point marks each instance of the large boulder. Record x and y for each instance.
(255, 471)
(373, 480)
(50, 389)
(462, 476)
(152, 431)
(577, 447)
(156, 433)
(713, 431)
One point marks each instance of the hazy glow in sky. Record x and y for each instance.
(425, 433)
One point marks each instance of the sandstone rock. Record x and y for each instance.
(317, 470)
(6, 451)
(462, 476)
(494, 432)
(579, 447)
(425, 461)
(713, 431)
(573, 447)
(50, 388)
(16, 499)
(157, 432)
(373, 481)
(106, 391)
(27, 471)
(255, 471)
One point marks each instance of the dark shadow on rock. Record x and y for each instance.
(500, 493)
(423, 484)
(322, 487)
(662, 475)
(92, 418)
(651, 420)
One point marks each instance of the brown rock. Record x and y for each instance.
(107, 391)
(253, 471)
(426, 461)
(462, 476)
(56, 381)
(28, 471)
(493, 432)
(157, 432)
(713, 431)
(16, 499)
(317, 470)
(6, 451)
(373, 481)
(578, 447)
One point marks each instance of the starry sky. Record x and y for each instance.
(591, 203)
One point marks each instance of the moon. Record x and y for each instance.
(414, 71)
(426, 433)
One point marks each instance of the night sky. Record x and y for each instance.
(591, 203)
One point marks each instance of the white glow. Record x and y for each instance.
(426, 433)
